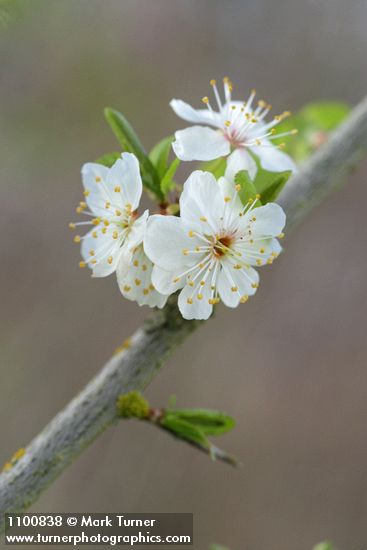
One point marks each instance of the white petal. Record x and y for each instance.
(103, 250)
(228, 190)
(197, 116)
(235, 284)
(125, 174)
(272, 159)
(94, 178)
(260, 252)
(135, 280)
(200, 143)
(198, 309)
(269, 220)
(166, 242)
(202, 203)
(137, 231)
(165, 281)
(240, 159)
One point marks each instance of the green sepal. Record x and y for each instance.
(108, 159)
(159, 155)
(167, 183)
(217, 167)
(130, 142)
(270, 184)
(208, 421)
(248, 191)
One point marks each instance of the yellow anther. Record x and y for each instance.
(83, 204)
(86, 193)
(255, 285)
(92, 252)
(144, 267)
(253, 91)
(97, 179)
(79, 209)
(136, 263)
(243, 298)
(106, 222)
(258, 141)
(213, 82)
(258, 196)
(237, 266)
(261, 103)
(117, 189)
(294, 132)
(72, 225)
(238, 187)
(94, 234)
(118, 212)
(126, 288)
(185, 252)
(96, 221)
(107, 205)
(227, 199)
(199, 296)
(205, 100)
(110, 260)
(77, 238)
(201, 265)
(270, 261)
(191, 284)
(94, 261)
(146, 291)
(281, 236)
(191, 233)
(227, 123)
(104, 230)
(233, 107)
(151, 287)
(262, 250)
(189, 301)
(115, 234)
(254, 218)
(234, 288)
(137, 282)
(128, 206)
(82, 264)
(259, 262)
(203, 219)
(176, 279)
(202, 283)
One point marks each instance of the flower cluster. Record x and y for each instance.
(210, 250)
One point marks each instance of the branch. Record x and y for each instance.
(94, 409)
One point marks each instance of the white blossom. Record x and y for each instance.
(237, 130)
(114, 242)
(210, 250)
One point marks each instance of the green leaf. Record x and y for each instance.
(130, 142)
(248, 190)
(159, 155)
(217, 167)
(167, 183)
(314, 122)
(270, 184)
(218, 547)
(108, 159)
(208, 421)
(324, 546)
(185, 430)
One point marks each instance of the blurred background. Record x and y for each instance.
(290, 365)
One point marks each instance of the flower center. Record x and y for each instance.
(222, 246)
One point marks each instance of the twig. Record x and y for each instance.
(94, 409)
